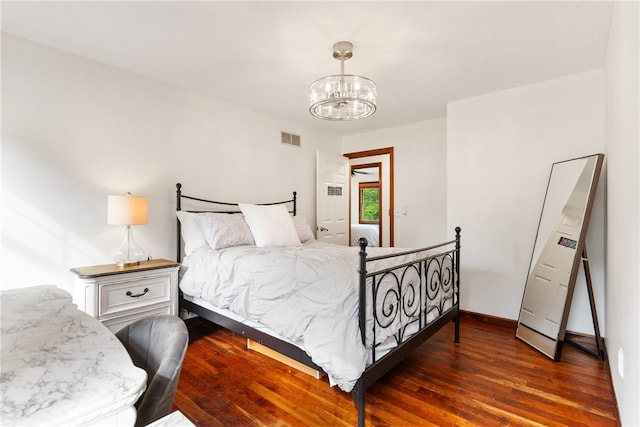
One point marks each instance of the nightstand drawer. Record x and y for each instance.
(121, 296)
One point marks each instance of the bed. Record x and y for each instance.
(368, 231)
(351, 312)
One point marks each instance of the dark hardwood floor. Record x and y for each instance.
(489, 379)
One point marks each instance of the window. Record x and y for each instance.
(369, 202)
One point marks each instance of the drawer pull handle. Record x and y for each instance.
(129, 294)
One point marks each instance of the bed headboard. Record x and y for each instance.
(215, 206)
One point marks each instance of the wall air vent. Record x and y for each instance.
(289, 138)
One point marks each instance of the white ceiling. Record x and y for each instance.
(264, 55)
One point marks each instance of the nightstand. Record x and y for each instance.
(117, 296)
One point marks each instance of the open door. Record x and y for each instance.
(332, 198)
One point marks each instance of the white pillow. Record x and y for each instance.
(223, 230)
(191, 234)
(303, 228)
(270, 225)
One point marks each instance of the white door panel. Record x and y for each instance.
(548, 283)
(332, 198)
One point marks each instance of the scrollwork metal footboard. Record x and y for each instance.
(409, 302)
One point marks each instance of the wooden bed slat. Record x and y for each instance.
(256, 346)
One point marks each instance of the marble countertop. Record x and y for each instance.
(174, 419)
(59, 365)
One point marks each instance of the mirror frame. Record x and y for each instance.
(549, 345)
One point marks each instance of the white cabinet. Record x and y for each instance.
(118, 296)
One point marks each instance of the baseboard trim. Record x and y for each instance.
(582, 338)
(486, 318)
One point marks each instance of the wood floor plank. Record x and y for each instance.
(198, 415)
(490, 378)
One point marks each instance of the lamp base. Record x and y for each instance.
(123, 264)
(128, 253)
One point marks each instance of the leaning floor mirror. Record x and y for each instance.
(558, 250)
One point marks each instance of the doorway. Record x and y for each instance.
(383, 157)
(365, 205)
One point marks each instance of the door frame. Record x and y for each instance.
(378, 152)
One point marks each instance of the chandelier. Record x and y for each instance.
(342, 96)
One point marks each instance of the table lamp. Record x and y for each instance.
(127, 210)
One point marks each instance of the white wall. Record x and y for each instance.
(74, 131)
(419, 181)
(500, 148)
(623, 209)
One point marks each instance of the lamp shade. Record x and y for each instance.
(127, 210)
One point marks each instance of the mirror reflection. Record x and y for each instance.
(557, 253)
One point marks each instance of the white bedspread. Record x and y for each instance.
(308, 294)
(368, 231)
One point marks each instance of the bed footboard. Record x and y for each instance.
(423, 292)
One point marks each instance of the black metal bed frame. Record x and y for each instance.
(393, 294)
